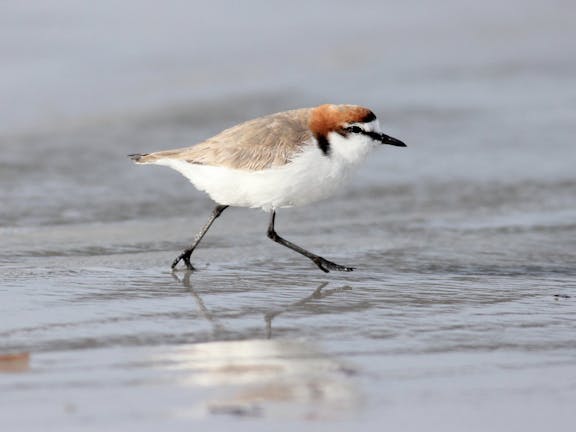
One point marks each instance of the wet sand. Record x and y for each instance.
(460, 315)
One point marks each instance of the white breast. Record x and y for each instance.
(309, 177)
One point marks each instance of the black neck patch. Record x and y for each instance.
(323, 144)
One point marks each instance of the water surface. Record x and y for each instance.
(461, 311)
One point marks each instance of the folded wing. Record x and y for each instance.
(255, 145)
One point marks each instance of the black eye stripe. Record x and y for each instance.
(357, 129)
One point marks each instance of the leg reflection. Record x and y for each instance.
(318, 294)
(217, 326)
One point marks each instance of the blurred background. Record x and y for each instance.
(481, 91)
(464, 241)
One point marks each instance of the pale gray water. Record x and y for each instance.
(460, 315)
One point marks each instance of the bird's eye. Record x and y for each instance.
(354, 129)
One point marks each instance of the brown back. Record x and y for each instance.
(254, 145)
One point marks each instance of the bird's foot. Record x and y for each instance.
(326, 266)
(184, 256)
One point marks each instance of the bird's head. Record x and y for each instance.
(351, 122)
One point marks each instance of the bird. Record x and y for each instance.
(290, 158)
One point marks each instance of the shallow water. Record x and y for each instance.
(461, 311)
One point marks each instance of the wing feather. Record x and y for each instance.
(254, 145)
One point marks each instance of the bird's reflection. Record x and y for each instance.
(265, 377)
(318, 294)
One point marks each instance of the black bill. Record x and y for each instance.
(385, 139)
(376, 136)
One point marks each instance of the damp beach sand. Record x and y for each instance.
(460, 313)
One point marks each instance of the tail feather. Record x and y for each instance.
(151, 158)
(139, 157)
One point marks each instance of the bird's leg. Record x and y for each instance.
(185, 256)
(322, 263)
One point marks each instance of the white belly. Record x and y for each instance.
(310, 177)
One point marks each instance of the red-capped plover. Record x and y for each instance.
(281, 160)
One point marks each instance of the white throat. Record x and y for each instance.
(353, 148)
